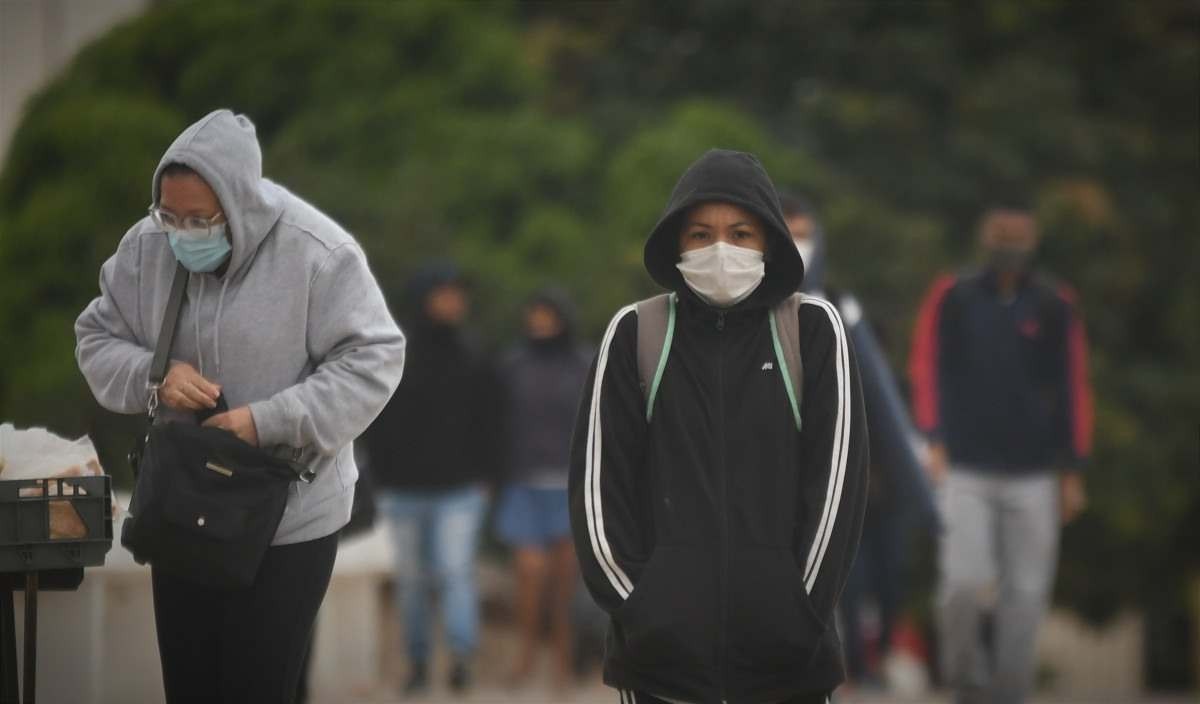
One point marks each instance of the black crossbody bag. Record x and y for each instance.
(205, 504)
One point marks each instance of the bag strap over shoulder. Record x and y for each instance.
(785, 333)
(656, 330)
(166, 335)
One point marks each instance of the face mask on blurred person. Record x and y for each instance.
(722, 274)
(806, 249)
(198, 250)
(1010, 260)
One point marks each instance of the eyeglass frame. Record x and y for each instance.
(208, 223)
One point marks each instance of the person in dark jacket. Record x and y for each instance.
(899, 497)
(999, 372)
(542, 379)
(431, 479)
(717, 534)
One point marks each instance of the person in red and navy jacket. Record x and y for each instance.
(1000, 387)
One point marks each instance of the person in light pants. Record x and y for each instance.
(999, 373)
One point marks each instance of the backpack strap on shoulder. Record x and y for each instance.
(656, 329)
(785, 334)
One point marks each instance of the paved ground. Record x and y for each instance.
(599, 694)
(498, 649)
(594, 692)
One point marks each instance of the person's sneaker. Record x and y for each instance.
(460, 676)
(418, 680)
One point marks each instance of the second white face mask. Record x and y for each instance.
(806, 249)
(722, 274)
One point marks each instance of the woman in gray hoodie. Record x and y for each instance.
(283, 319)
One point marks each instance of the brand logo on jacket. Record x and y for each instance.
(1029, 328)
(768, 366)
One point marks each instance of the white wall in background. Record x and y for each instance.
(38, 38)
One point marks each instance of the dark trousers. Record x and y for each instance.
(245, 645)
(632, 697)
(878, 572)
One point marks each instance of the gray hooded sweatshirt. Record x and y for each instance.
(297, 327)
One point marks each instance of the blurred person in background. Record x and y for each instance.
(1000, 385)
(716, 521)
(433, 450)
(899, 496)
(284, 323)
(542, 380)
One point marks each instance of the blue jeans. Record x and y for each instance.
(435, 534)
(878, 573)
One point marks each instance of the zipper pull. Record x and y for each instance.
(720, 322)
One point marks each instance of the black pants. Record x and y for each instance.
(632, 697)
(245, 645)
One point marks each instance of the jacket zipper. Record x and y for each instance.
(723, 508)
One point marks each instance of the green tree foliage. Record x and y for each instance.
(538, 142)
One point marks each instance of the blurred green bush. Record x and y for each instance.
(537, 143)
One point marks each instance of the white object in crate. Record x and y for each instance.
(37, 453)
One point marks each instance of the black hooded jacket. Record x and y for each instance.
(439, 430)
(542, 380)
(717, 536)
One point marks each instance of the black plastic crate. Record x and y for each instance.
(25, 509)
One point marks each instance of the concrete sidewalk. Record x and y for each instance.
(597, 693)
(498, 648)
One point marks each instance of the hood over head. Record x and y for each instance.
(223, 148)
(722, 175)
(558, 299)
(431, 275)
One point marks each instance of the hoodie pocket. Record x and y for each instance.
(772, 624)
(670, 617)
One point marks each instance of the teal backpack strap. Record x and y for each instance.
(656, 329)
(785, 333)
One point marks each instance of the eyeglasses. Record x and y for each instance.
(189, 226)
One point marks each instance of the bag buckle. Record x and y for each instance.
(152, 403)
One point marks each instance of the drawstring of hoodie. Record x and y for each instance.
(217, 324)
(196, 321)
(295, 488)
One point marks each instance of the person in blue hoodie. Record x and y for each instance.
(284, 321)
(899, 497)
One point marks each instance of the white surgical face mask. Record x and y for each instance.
(806, 249)
(722, 274)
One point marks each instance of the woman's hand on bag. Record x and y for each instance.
(239, 421)
(185, 390)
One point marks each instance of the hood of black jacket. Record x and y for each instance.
(560, 301)
(726, 176)
(417, 289)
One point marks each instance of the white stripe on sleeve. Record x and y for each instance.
(841, 441)
(592, 493)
